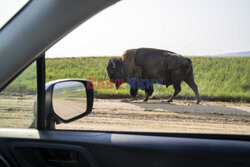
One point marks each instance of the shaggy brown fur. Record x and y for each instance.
(129, 66)
(148, 63)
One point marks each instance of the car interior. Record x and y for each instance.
(24, 40)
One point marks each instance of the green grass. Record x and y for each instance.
(223, 77)
(25, 82)
(227, 77)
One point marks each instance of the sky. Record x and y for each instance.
(188, 27)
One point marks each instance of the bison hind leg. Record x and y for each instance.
(148, 91)
(177, 89)
(193, 86)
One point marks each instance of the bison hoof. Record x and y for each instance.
(133, 99)
(169, 101)
(145, 100)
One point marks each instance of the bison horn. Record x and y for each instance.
(113, 63)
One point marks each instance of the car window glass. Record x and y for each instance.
(18, 101)
(201, 56)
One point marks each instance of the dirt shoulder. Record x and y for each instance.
(159, 116)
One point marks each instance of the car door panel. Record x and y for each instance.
(51, 154)
(124, 149)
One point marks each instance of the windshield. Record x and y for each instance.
(8, 9)
(195, 80)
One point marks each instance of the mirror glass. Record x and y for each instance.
(69, 99)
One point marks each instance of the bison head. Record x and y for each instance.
(115, 71)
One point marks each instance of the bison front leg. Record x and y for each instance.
(148, 91)
(133, 93)
(177, 89)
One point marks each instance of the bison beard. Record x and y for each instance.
(148, 63)
(118, 83)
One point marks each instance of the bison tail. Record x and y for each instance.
(191, 66)
(188, 66)
(189, 61)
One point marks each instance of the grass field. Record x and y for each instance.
(217, 77)
(25, 83)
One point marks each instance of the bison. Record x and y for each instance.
(143, 67)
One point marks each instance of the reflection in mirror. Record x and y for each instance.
(69, 99)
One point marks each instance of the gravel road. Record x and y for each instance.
(159, 116)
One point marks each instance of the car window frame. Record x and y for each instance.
(40, 119)
(15, 15)
(40, 112)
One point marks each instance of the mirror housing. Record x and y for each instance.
(53, 117)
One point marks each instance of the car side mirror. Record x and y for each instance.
(68, 100)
